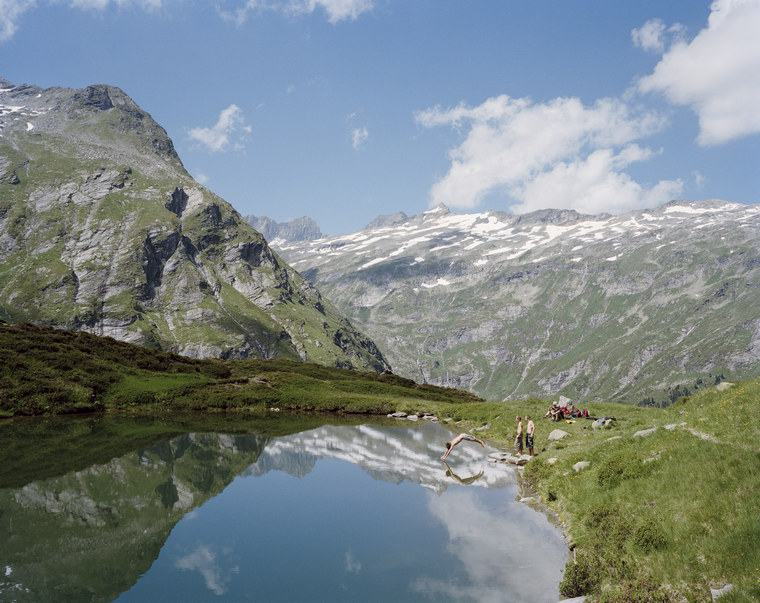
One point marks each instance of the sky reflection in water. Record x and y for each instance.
(361, 513)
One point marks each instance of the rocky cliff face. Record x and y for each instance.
(599, 307)
(102, 229)
(298, 229)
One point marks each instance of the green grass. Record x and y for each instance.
(660, 518)
(48, 371)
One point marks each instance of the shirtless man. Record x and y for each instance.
(529, 433)
(519, 436)
(462, 437)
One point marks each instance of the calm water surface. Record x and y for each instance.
(104, 509)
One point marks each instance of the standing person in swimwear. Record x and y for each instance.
(462, 437)
(529, 433)
(519, 436)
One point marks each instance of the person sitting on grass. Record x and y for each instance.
(462, 437)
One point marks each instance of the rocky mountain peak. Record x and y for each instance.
(297, 229)
(102, 229)
(551, 216)
(439, 210)
(387, 220)
(80, 119)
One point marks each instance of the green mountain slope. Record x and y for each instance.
(49, 371)
(103, 230)
(596, 307)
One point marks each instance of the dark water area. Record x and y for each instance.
(285, 509)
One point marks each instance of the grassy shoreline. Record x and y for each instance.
(663, 517)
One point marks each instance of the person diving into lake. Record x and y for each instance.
(462, 437)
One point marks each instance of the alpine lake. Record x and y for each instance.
(290, 508)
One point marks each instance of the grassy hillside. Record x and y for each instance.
(48, 371)
(664, 517)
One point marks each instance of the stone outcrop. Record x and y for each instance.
(102, 229)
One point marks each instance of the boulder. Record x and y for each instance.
(412, 418)
(483, 427)
(603, 422)
(397, 415)
(717, 593)
(644, 432)
(581, 465)
(552, 460)
(672, 426)
(723, 386)
(557, 434)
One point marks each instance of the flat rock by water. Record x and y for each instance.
(512, 459)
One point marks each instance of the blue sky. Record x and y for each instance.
(344, 109)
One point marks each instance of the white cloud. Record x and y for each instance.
(650, 35)
(487, 538)
(359, 136)
(716, 73)
(595, 184)
(205, 562)
(560, 154)
(353, 565)
(201, 178)
(335, 10)
(10, 12)
(229, 128)
(699, 178)
(654, 36)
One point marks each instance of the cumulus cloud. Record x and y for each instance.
(716, 73)
(149, 5)
(10, 13)
(359, 136)
(204, 561)
(230, 129)
(11, 10)
(560, 154)
(335, 10)
(654, 35)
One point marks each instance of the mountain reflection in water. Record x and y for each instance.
(338, 512)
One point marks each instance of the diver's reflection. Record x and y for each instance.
(465, 481)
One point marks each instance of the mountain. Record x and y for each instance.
(102, 229)
(597, 307)
(298, 229)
